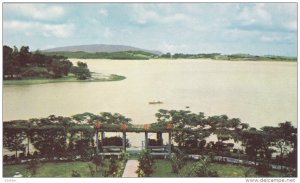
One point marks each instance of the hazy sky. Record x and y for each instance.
(261, 29)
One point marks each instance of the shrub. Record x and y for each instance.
(145, 164)
(5, 158)
(114, 141)
(92, 171)
(290, 173)
(113, 167)
(22, 156)
(97, 160)
(198, 169)
(178, 160)
(153, 142)
(35, 154)
(33, 165)
(123, 156)
(35, 72)
(262, 169)
(247, 172)
(71, 155)
(75, 173)
(235, 150)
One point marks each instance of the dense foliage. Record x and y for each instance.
(81, 71)
(178, 160)
(20, 64)
(190, 129)
(67, 137)
(59, 137)
(145, 164)
(201, 168)
(116, 165)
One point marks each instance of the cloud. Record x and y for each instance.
(102, 12)
(278, 38)
(169, 27)
(46, 30)
(143, 14)
(256, 14)
(35, 11)
(273, 17)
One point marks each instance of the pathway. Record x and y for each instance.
(130, 168)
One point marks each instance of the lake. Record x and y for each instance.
(259, 93)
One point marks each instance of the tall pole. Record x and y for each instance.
(159, 138)
(97, 127)
(97, 143)
(102, 136)
(146, 140)
(169, 147)
(169, 128)
(124, 141)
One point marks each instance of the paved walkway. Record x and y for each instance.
(130, 168)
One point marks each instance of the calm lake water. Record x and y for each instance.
(259, 93)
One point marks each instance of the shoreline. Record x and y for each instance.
(189, 59)
(111, 77)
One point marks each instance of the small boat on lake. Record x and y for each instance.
(156, 102)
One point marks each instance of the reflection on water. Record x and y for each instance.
(259, 93)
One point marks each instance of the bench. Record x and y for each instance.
(112, 148)
(158, 148)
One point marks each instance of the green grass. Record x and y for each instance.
(163, 168)
(9, 170)
(229, 170)
(55, 169)
(70, 78)
(133, 155)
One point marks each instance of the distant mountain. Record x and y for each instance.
(93, 48)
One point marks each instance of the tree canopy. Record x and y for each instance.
(19, 64)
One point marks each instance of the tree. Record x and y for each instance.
(11, 62)
(188, 127)
(7, 61)
(26, 64)
(59, 68)
(255, 141)
(50, 140)
(167, 55)
(24, 56)
(13, 138)
(81, 71)
(28, 129)
(284, 138)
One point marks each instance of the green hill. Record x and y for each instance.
(123, 55)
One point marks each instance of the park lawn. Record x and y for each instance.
(163, 168)
(229, 170)
(55, 169)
